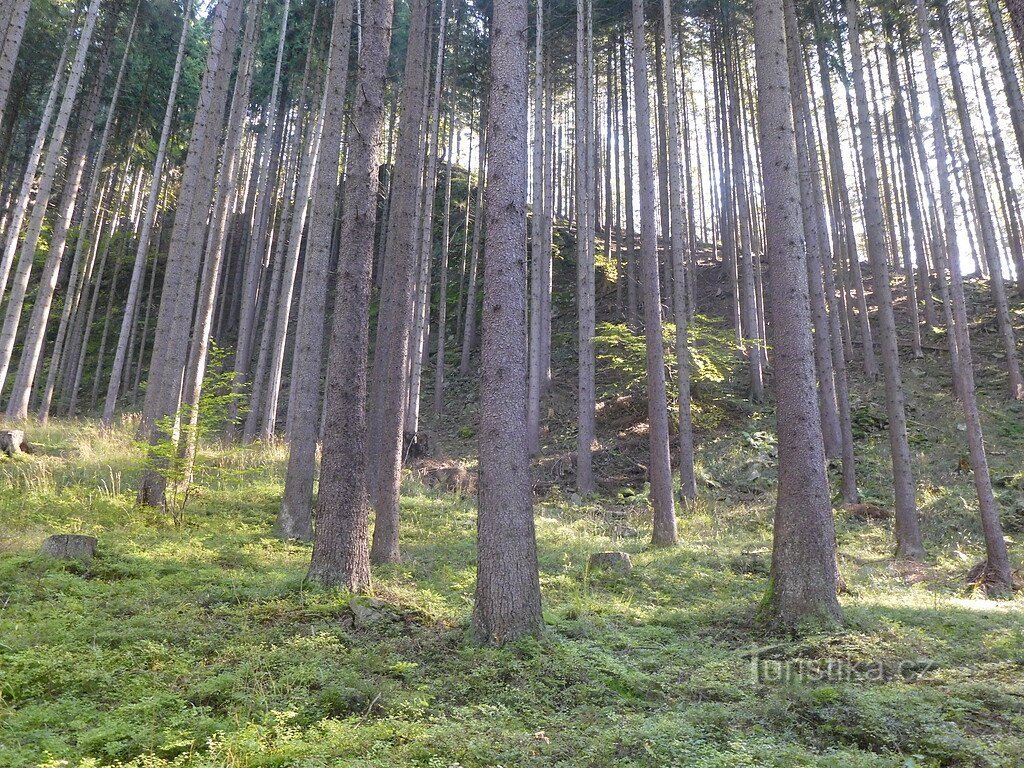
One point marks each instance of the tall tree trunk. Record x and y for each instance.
(397, 299)
(984, 218)
(844, 207)
(680, 288)
(469, 326)
(454, 144)
(660, 467)
(586, 402)
(258, 253)
(829, 355)
(803, 580)
(908, 534)
(47, 177)
(146, 229)
(421, 318)
(535, 380)
(170, 346)
(507, 601)
(294, 519)
(32, 346)
(998, 576)
(10, 44)
(341, 537)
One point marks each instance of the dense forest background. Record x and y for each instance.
(471, 383)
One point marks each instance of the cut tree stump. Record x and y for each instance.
(13, 442)
(70, 546)
(616, 562)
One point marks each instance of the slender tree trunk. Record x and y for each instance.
(47, 177)
(687, 480)
(507, 601)
(841, 188)
(397, 299)
(145, 232)
(998, 576)
(908, 534)
(984, 217)
(258, 253)
(660, 468)
(294, 520)
(10, 44)
(454, 143)
(170, 346)
(421, 318)
(32, 346)
(632, 305)
(586, 402)
(469, 326)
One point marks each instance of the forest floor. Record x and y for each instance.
(200, 644)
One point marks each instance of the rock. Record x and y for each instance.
(368, 611)
(70, 546)
(13, 442)
(615, 562)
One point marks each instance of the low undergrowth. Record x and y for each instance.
(201, 645)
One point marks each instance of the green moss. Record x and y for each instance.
(202, 646)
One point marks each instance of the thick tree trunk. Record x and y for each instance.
(803, 581)
(341, 553)
(535, 380)
(507, 601)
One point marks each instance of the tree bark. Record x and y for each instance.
(660, 468)
(397, 299)
(586, 397)
(507, 601)
(680, 287)
(16, 299)
(908, 534)
(803, 580)
(146, 229)
(998, 575)
(294, 519)
(341, 536)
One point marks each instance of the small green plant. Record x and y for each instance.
(177, 456)
(622, 354)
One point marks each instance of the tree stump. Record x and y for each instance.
(69, 546)
(614, 562)
(13, 442)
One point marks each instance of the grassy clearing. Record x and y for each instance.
(201, 645)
